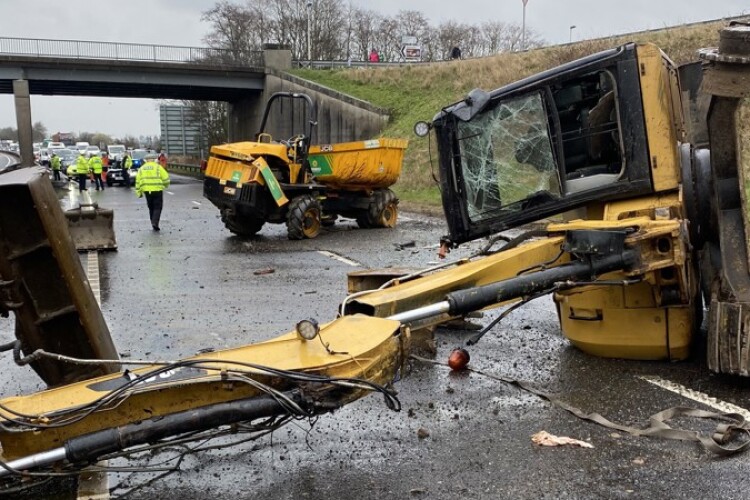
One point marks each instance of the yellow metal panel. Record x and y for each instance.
(621, 333)
(681, 330)
(624, 322)
(235, 171)
(247, 151)
(366, 164)
(643, 207)
(372, 351)
(661, 122)
(433, 288)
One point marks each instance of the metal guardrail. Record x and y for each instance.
(183, 168)
(12, 162)
(82, 49)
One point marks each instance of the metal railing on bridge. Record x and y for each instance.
(352, 64)
(83, 49)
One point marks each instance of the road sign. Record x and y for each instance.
(411, 52)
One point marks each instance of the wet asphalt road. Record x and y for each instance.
(192, 286)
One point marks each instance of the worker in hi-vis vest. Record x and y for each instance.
(152, 179)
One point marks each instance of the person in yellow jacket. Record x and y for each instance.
(55, 163)
(152, 179)
(96, 166)
(127, 164)
(82, 171)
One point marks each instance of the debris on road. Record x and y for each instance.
(268, 270)
(458, 359)
(407, 244)
(544, 438)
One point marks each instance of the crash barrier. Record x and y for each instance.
(185, 169)
(12, 161)
(43, 282)
(84, 49)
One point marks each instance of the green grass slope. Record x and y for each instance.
(418, 92)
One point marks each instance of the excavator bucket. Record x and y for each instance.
(43, 282)
(91, 227)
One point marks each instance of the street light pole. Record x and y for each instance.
(572, 27)
(309, 46)
(523, 26)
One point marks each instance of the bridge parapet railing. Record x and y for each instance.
(83, 49)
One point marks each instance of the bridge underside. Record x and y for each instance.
(154, 80)
(241, 87)
(135, 90)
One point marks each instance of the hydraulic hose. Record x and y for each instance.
(463, 302)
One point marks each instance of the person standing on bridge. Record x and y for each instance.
(55, 163)
(152, 179)
(96, 166)
(82, 171)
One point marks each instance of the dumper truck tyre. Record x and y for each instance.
(303, 219)
(383, 211)
(242, 226)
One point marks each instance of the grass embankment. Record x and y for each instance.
(413, 93)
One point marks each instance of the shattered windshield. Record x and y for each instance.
(506, 155)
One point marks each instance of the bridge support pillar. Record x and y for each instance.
(244, 118)
(23, 121)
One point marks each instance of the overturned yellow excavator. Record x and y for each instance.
(640, 178)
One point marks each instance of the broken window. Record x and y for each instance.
(507, 158)
(587, 112)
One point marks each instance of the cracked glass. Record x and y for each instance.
(507, 159)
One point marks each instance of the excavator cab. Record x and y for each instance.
(559, 140)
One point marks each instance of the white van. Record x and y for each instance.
(116, 151)
(81, 146)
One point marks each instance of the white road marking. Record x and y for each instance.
(404, 218)
(700, 397)
(170, 193)
(92, 273)
(196, 202)
(93, 485)
(340, 258)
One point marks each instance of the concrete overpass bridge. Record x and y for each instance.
(106, 69)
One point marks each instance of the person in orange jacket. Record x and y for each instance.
(163, 159)
(105, 167)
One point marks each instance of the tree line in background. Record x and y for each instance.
(341, 31)
(39, 133)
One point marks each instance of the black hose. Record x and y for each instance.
(90, 447)
(474, 299)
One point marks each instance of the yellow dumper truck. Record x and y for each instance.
(303, 186)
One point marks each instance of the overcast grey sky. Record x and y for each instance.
(177, 22)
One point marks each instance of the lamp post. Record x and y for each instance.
(572, 27)
(309, 46)
(523, 26)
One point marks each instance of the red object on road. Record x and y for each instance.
(458, 359)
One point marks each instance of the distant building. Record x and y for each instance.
(182, 133)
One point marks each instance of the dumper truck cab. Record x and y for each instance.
(285, 180)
